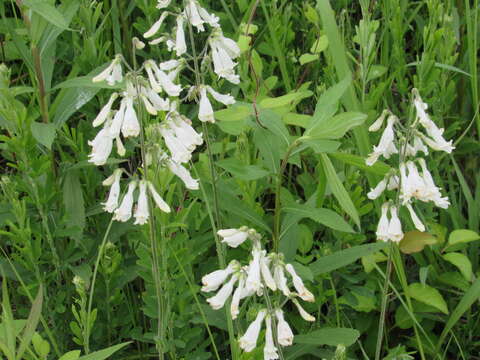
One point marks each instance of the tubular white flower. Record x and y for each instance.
(280, 279)
(223, 65)
(156, 26)
(112, 74)
(169, 65)
(158, 103)
(254, 282)
(148, 105)
(163, 3)
(379, 122)
(154, 84)
(212, 281)
(284, 332)
(302, 291)
(130, 126)
(305, 315)
(393, 182)
(103, 114)
(193, 16)
(164, 81)
(118, 119)
(237, 296)
(139, 45)
(124, 212)
(265, 271)
(180, 154)
(185, 132)
(418, 146)
(226, 44)
(233, 237)
(210, 19)
(114, 182)
(248, 341)
(161, 204)
(270, 351)
(378, 190)
(382, 227)
(180, 44)
(217, 301)
(120, 148)
(205, 112)
(386, 147)
(225, 99)
(433, 192)
(395, 232)
(416, 221)
(101, 147)
(141, 213)
(439, 144)
(415, 186)
(183, 174)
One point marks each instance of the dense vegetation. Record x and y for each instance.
(287, 159)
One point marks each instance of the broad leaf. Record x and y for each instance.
(461, 262)
(428, 295)
(329, 336)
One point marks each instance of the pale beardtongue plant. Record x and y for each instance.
(157, 87)
(266, 276)
(409, 181)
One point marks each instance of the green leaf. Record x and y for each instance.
(428, 295)
(415, 241)
(329, 336)
(71, 100)
(325, 217)
(461, 262)
(320, 45)
(376, 71)
(105, 353)
(84, 82)
(297, 119)
(234, 113)
(344, 257)
(472, 295)
(339, 190)
(308, 58)
(461, 237)
(44, 133)
(48, 12)
(336, 127)
(32, 322)
(242, 171)
(284, 100)
(73, 201)
(379, 168)
(71, 355)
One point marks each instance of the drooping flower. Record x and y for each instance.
(118, 119)
(280, 279)
(212, 281)
(102, 146)
(124, 212)
(237, 296)
(382, 227)
(163, 3)
(156, 26)
(130, 125)
(217, 301)
(377, 125)
(395, 232)
(254, 282)
(284, 332)
(266, 273)
(305, 315)
(112, 74)
(180, 44)
(161, 204)
(103, 114)
(270, 351)
(248, 341)
(205, 112)
(233, 237)
(386, 147)
(302, 291)
(416, 221)
(378, 190)
(114, 182)
(141, 213)
(183, 174)
(224, 50)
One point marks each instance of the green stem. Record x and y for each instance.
(231, 18)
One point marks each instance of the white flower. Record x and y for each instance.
(118, 119)
(120, 148)
(169, 65)
(270, 351)
(248, 341)
(130, 126)
(192, 14)
(415, 186)
(139, 45)
(237, 296)
(141, 213)
(284, 332)
(180, 154)
(253, 282)
(305, 315)
(302, 291)
(379, 122)
(212, 281)
(112, 74)
(378, 190)
(114, 182)
(416, 221)
(382, 227)
(386, 147)
(265, 271)
(418, 146)
(183, 174)
(225, 99)
(180, 44)
(280, 279)
(439, 143)
(432, 191)
(103, 114)
(124, 212)
(158, 103)
(161, 204)
(217, 301)
(210, 19)
(163, 4)
(395, 232)
(205, 112)
(233, 237)
(159, 80)
(393, 182)
(156, 26)
(101, 147)
(184, 131)
(223, 51)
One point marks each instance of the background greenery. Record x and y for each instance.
(369, 54)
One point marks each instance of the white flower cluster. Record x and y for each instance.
(411, 179)
(156, 86)
(265, 271)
